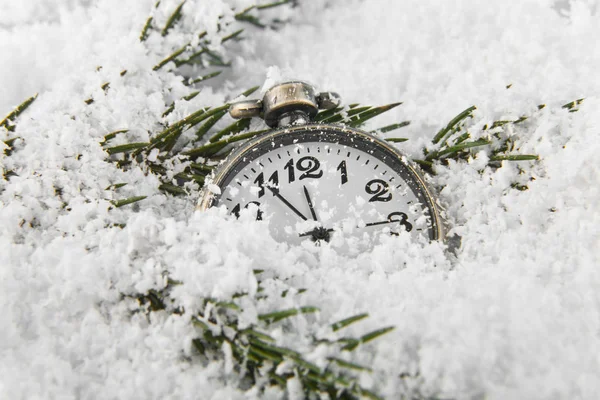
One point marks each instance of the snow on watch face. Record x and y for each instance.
(326, 183)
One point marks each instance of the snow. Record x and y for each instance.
(516, 314)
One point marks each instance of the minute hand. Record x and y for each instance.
(287, 203)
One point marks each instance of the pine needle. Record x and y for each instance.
(371, 113)
(453, 122)
(392, 127)
(176, 16)
(130, 200)
(125, 148)
(16, 112)
(250, 91)
(515, 157)
(204, 128)
(347, 364)
(396, 140)
(205, 77)
(112, 135)
(213, 148)
(345, 322)
(353, 344)
(232, 129)
(145, 29)
(232, 36)
(176, 54)
(279, 315)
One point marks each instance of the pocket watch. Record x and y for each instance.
(320, 182)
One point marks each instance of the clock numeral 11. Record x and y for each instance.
(272, 182)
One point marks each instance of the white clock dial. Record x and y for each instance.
(323, 184)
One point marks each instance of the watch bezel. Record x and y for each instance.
(346, 134)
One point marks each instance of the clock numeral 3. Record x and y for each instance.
(380, 189)
(402, 218)
(236, 210)
(309, 165)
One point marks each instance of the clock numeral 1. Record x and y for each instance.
(236, 210)
(344, 172)
(291, 173)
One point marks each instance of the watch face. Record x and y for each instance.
(320, 183)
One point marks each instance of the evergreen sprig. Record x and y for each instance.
(260, 360)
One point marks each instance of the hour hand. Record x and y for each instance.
(310, 204)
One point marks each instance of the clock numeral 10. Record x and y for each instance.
(309, 165)
(236, 210)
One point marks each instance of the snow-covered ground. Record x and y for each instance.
(515, 315)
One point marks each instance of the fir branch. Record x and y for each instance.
(259, 355)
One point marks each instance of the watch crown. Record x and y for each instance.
(246, 109)
(290, 103)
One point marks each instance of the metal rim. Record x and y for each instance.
(207, 198)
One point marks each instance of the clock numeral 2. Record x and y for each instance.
(343, 171)
(272, 182)
(380, 189)
(309, 165)
(236, 210)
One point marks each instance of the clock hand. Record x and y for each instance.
(390, 218)
(287, 203)
(310, 204)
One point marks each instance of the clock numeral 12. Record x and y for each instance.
(309, 165)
